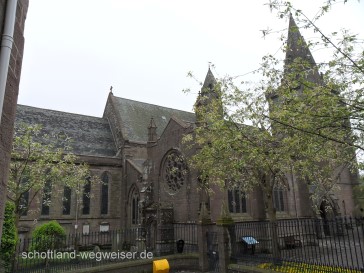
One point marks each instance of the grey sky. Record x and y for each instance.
(76, 49)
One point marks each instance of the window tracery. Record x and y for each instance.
(174, 172)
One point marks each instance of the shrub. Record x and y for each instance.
(48, 236)
(9, 236)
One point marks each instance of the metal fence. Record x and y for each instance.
(75, 251)
(187, 232)
(303, 243)
(334, 243)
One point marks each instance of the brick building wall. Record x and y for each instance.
(11, 95)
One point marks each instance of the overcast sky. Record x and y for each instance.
(76, 49)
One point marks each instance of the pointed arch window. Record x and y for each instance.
(67, 193)
(279, 199)
(24, 199)
(86, 196)
(134, 207)
(104, 193)
(47, 193)
(237, 201)
(23, 204)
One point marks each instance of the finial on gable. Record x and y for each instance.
(111, 89)
(152, 123)
(152, 131)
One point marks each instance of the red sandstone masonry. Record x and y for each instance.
(11, 96)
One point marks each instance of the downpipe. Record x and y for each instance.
(7, 41)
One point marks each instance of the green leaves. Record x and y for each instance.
(38, 159)
(300, 117)
(9, 236)
(48, 236)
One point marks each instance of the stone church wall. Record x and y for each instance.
(11, 95)
(113, 168)
(131, 183)
(186, 200)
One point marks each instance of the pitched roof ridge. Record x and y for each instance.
(154, 105)
(59, 111)
(112, 99)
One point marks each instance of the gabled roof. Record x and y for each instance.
(90, 136)
(135, 117)
(176, 120)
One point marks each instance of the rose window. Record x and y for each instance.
(174, 172)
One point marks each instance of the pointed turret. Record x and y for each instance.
(207, 92)
(297, 48)
(209, 82)
(152, 131)
(207, 97)
(296, 45)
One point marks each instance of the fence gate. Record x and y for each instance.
(213, 251)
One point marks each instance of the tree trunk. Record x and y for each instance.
(273, 225)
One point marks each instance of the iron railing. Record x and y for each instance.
(75, 251)
(333, 243)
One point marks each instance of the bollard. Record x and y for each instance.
(161, 266)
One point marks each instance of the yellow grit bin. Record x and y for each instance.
(161, 266)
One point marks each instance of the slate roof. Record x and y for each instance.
(90, 136)
(135, 117)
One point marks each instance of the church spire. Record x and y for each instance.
(209, 82)
(298, 48)
(296, 45)
(208, 91)
(208, 96)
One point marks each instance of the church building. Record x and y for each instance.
(132, 148)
